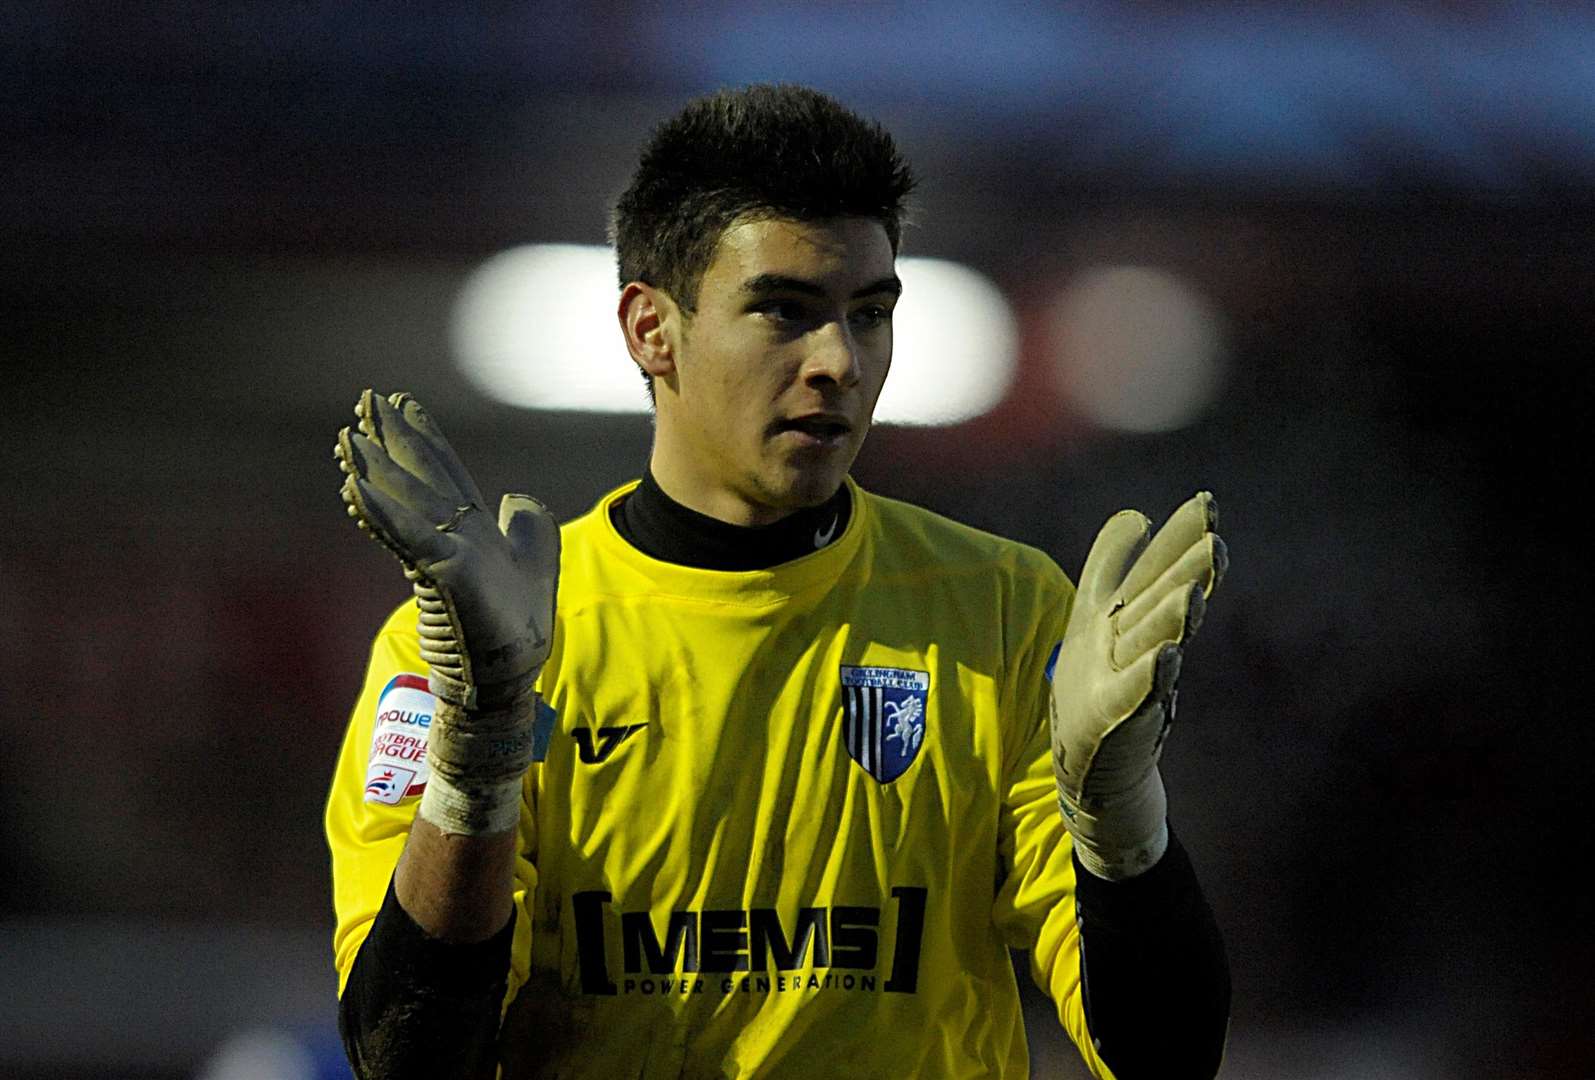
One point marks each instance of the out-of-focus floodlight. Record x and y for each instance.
(1136, 349)
(260, 1055)
(535, 327)
(955, 346)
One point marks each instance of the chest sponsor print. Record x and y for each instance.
(397, 767)
(884, 713)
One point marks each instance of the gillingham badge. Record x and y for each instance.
(883, 718)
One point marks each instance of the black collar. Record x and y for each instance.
(658, 526)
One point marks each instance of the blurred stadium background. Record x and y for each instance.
(1333, 262)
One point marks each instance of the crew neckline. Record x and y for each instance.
(667, 529)
(769, 585)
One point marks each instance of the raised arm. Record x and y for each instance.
(1155, 979)
(426, 986)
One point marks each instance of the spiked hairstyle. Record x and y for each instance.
(757, 152)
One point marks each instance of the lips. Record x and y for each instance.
(822, 426)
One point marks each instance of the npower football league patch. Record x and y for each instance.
(397, 769)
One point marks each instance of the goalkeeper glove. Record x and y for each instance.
(486, 596)
(1113, 689)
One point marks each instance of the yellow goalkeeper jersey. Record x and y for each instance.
(785, 822)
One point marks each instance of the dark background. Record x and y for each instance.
(222, 221)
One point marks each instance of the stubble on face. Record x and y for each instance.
(778, 370)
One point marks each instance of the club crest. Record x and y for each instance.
(883, 718)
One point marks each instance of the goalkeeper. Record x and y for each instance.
(748, 771)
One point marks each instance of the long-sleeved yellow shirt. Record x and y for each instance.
(785, 823)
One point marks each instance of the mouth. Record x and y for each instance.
(816, 429)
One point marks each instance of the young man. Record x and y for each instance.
(749, 772)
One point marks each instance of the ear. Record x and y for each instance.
(648, 318)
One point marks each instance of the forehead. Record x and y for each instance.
(837, 254)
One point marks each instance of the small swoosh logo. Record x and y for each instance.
(821, 538)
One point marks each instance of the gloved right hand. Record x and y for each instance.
(486, 596)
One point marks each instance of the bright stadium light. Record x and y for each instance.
(535, 327)
(1136, 349)
(955, 346)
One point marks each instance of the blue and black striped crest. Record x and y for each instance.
(884, 717)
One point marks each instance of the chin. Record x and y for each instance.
(807, 488)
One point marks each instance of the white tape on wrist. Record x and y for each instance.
(483, 811)
(478, 761)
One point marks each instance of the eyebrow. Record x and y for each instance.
(764, 284)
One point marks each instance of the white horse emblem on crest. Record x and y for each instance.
(903, 716)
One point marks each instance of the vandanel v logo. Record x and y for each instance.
(596, 746)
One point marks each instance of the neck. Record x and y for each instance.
(700, 493)
(666, 529)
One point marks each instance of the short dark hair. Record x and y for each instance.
(764, 151)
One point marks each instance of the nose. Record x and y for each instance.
(834, 358)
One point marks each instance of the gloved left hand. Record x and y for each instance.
(1139, 600)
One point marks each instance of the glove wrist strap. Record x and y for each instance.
(1122, 837)
(482, 697)
(478, 759)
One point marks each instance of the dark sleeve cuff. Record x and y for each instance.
(1167, 893)
(415, 1005)
(1153, 971)
(409, 953)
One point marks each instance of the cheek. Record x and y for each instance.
(732, 391)
(879, 365)
(762, 375)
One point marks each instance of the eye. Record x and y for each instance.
(872, 316)
(782, 311)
